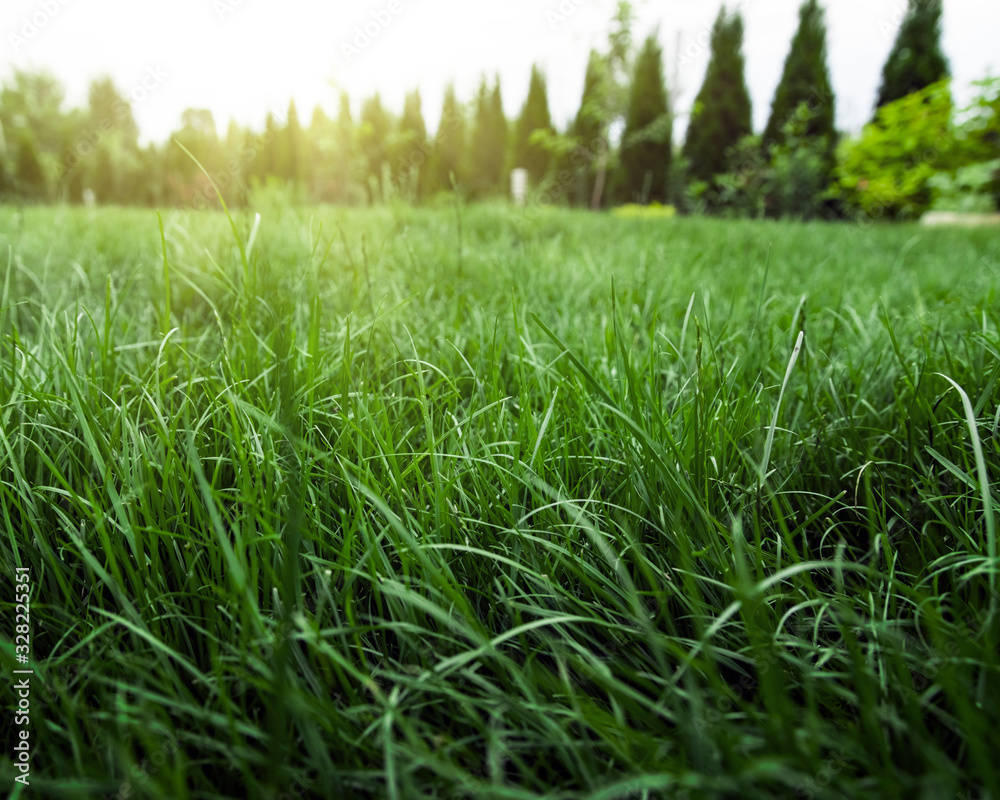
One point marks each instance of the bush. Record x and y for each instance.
(967, 189)
(790, 179)
(978, 135)
(886, 172)
(799, 180)
(919, 153)
(741, 192)
(652, 211)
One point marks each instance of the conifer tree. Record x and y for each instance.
(410, 147)
(374, 137)
(916, 59)
(28, 177)
(321, 145)
(267, 160)
(590, 126)
(111, 109)
(199, 137)
(346, 170)
(449, 147)
(412, 122)
(534, 117)
(805, 79)
(480, 170)
(235, 194)
(488, 154)
(646, 143)
(289, 149)
(111, 170)
(500, 133)
(721, 114)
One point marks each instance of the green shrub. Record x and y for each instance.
(978, 135)
(789, 179)
(651, 211)
(799, 178)
(885, 172)
(742, 191)
(967, 189)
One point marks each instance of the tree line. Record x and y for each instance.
(618, 149)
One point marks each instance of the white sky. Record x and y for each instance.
(242, 58)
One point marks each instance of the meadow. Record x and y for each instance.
(470, 503)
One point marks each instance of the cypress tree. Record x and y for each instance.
(412, 123)
(590, 124)
(534, 117)
(500, 129)
(479, 170)
(375, 129)
(236, 194)
(613, 77)
(321, 146)
(646, 143)
(289, 149)
(448, 156)
(266, 163)
(411, 146)
(721, 114)
(806, 79)
(109, 107)
(345, 170)
(29, 178)
(488, 154)
(916, 59)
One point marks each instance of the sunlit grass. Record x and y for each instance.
(554, 511)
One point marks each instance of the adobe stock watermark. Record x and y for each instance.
(223, 8)
(834, 766)
(698, 45)
(301, 783)
(985, 276)
(560, 14)
(889, 26)
(365, 34)
(145, 769)
(32, 25)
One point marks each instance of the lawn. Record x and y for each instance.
(473, 503)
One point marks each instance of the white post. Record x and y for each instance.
(519, 185)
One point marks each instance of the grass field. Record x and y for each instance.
(454, 503)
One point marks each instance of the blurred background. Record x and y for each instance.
(752, 108)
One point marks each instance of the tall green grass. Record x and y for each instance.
(394, 503)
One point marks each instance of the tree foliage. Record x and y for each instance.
(410, 148)
(885, 172)
(374, 140)
(805, 79)
(916, 59)
(488, 156)
(589, 127)
(289, 149)
(646, 142)
(50, 153)
(535, 117)
(721, 113)
(448, 157)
